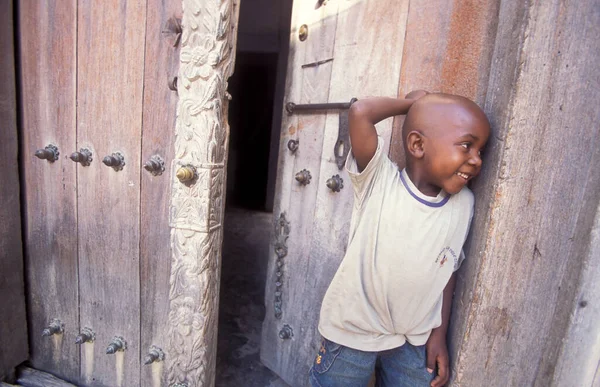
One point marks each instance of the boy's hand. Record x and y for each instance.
(416, 94)
(437, 353)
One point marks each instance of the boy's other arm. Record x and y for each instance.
(363, 116)
(436, 347)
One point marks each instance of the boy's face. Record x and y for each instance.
(452, 146)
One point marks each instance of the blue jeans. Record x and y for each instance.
(339, 366)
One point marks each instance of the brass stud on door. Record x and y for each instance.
(154, 355)
(50, 153)
(156, 165)
(56, 327)
(303, 177)
(186, 174)
(83, 157)
(86, 336)
(116, 161)
(117, 344)
(303, 32)
(335, 183)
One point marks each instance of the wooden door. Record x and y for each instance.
(13, 326)
(361, 43)
(95, 76)
(47, 37)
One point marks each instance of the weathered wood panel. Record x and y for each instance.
(201, 141)
(579, 358)
(158, 135)
(528, 256)
(110, 65)
(304, 85)
(13, 328)
(448, 48)
(370, 35)
(319, 217)
(29, 377)
(47, 39)
(280, 89)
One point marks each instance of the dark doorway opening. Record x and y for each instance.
(257, 88)
(250, 117)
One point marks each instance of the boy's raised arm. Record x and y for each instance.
(363, 116)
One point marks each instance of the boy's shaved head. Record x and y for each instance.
(429, 114)
(443, 137)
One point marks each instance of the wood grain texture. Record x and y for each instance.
(278, 108)
(448, 49)
(579, 360)
(201, 141)
(47, 41)
(320, 218)
(13, 329)
(288, 357)
(29, 377)
(529, 255)
(370, 35)
(158, 135)
(110, 60)
(284, 179)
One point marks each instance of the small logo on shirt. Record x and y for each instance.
(443, 256)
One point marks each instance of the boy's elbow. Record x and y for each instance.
(358, 110)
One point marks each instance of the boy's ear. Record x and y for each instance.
(414, 142)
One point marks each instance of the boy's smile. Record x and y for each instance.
(445, 136)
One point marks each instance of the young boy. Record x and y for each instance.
(388, 305)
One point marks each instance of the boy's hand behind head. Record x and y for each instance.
(443, 138)
(416, 94)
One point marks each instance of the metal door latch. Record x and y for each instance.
(342, 145)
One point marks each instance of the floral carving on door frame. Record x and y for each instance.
(202, 133)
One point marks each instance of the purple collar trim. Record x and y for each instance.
(421, 200)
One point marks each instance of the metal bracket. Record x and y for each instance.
(342, 145)
(282, 231)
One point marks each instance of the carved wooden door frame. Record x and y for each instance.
(202, 137)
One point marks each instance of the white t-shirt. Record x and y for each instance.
(403, 247)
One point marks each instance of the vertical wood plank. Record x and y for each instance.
(309, 85)
(109, 118)
(280, 90)
(578, 362)
(158, 135)
(370, 36)
(269, 354)
(448, 49)
(544, 199)
(13, 329)
(48, 45)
